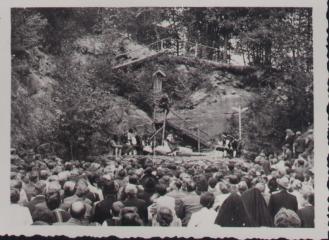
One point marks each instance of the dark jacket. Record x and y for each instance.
(186, 206)
(282, 199)
(103, 209)
(306, 216)
(140, 205)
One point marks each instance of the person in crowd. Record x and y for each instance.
(175, 190)
(189, 204)
(289, 139)
(233, 213)
(115, 146)
(299, 144)
(287, 154)
(206, 215)
(77, 212)
(101, 209)
(133, 201)
(256, 207)
(166, 218)
(141, 191)
(131, 136)
(139, 144)
(130, 217)
(29, 187)
(53, 201)
(17, 184)
(282, 199)
(306, 214)
(163, 200)
(286, 218)
(20, 215)
(115, 219)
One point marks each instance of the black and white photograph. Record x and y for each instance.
(180, 117)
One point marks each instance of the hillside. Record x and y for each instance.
(66, 89)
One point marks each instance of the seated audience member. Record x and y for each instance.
(102, 208)
(206, 215)
(29, 187)
(53, 201)
(282, 198)
(306, 214)
(20, 215)
(257, 209)
(130, 217)
(133, 201)
(77, 212)
(286, 218)
(115, 219)
(189, 204)
(22, 194)
(164, 200)
(233, 213)
(165, 218)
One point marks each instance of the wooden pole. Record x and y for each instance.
(164, 126)
(240, 124)
(196, 50)
(199, 147)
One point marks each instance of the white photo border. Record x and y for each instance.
(321, 148)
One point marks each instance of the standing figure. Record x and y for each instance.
(116, 146)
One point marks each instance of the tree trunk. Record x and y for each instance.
(225, 47)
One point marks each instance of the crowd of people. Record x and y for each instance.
(273, 190)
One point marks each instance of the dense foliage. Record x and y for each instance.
(278, 41)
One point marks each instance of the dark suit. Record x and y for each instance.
(186, 206)
(280, 200)
(103, 209)
(140, 205)
(306, 216)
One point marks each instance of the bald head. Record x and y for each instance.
(131, 190)
(116, 208)
(78, 210)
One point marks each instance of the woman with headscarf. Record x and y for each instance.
(233, 213)
(256, 207)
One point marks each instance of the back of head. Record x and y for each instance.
(33, 176)
(16, 184)
(131, 219)
(78, 210)
(207, 199)
(164, 216)
(161, 189)
(69, 188)
(116, 208)
(242, 186)
(53, 200)
(233, 213)
(190, 186)
(14, 195)
(133, 179)
(223, 187)
(81, 188)
(286, 218)
(40, 187)
(212, 182)
(109, 188)
(272, 184)
(131, 191)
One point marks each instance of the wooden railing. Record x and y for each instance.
(175, 47)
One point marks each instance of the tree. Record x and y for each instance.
(27, 29)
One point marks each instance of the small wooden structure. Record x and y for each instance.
(158, 77)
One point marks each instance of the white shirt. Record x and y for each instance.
(204, 217)
(19, 215)
(166, 201)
